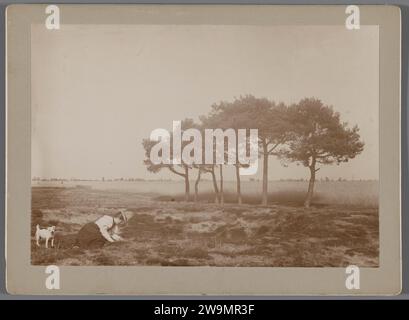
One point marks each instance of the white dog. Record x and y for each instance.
(46, 234)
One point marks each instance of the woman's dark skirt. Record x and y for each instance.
(90, 236)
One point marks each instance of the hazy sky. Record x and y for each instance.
(97, 91)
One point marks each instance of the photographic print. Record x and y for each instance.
(308, 94)
(175, 144)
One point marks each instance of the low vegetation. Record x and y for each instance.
(165, 231)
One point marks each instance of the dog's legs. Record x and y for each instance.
(52, 242)
(46, 243)
(37, 240)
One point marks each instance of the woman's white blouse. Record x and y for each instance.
(107, 227)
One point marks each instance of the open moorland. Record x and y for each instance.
(340, 228)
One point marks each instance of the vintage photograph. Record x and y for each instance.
(205, 145)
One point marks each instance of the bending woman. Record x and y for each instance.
(105, 229)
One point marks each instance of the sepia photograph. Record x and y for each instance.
(203, 150)
(200, 145)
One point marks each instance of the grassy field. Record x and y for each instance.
(340, 229)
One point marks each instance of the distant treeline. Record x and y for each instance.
(326, 179)
(77, 179)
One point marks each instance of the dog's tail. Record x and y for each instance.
(37, 227)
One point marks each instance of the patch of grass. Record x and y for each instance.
(295, 198)
(233, 235)
(196, 253)
(156, 261)
(363, 194)
(262, 230)
(104, 260)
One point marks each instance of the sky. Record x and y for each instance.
(97, 91)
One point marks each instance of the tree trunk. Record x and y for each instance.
(187, 184)
(239, 200)
(216, 188)
(197, 185)
(265, 175)
(310, 192)
(221, 185)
